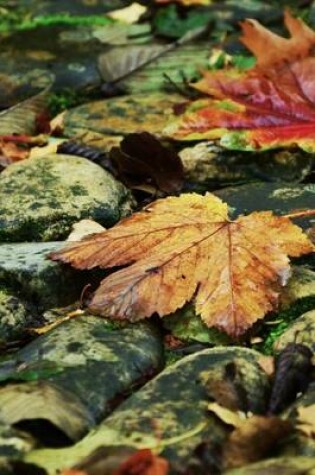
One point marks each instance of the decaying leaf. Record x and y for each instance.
(183, 247)
(270, 105)
(187, 3)
(130, 14)
(252, 440)
(120, 460)
(142, 159)
(306, 420)
(84, 228)
(227, 416)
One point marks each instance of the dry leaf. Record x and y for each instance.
(306, 420)
(227, 416)
(253, 439)
(269, 105)
(130, 14)
(186, 3)
(143, 462)
(84, 228)
(186, 246)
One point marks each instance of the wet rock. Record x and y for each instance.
(121, 115)
(13, 443)
(212, 166)
(26, 268)
(281, 199)
(76, 373)
(14, 316)
(278, 466)
(300, 286)
(301, 331)
(43, 196)
(170, 412)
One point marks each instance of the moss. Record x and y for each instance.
(279, 322)
(18, 20)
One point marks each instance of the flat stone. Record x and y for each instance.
(175, 402)
(301, 331)
(26, 268)
(40, 198)
(279, 198)
(14, 316)
(85, 366)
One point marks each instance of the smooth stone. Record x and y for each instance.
(170, 412)
(86, 365)
(14, 315)
(42, 197)
(27, 269)
(278, 466)
(282, 199)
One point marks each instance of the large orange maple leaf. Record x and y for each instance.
(184, 247)
(269, 105)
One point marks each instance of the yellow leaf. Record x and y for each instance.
(183, 247)
(306, 420)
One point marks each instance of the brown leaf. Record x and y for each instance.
(184, 247)
(252, 440)
(143, 462)
(143, 159)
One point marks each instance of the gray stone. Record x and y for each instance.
(26, 268)
(301, 331)
(82, 367)
(42, 197)
(170, 412)
(14, 316)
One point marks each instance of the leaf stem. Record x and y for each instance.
(300, 214)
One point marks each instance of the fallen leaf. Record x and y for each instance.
(183, 247)
(142, 159)
(186, 3)
(227, 416)
(306, 420)
(252, 440)
(130, 14)
(84, 228)
(143, 462)
(270, 105)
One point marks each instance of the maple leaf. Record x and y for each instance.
(270, 105)
(186, 246)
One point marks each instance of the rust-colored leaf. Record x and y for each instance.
(269, 105)
(253, 439)
(183, 247)
(143, 462)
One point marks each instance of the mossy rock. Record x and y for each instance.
(84, 367)
(42, 197)
(14, 316)
(176, 403)
(38, 280)
(278, 466)
(302, 331)
(282, 199)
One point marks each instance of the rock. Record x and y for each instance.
(301, 331)
(43, 196)
(26, 268)
(278, 466)
(76, 373)
(13, 443)
(300, 286)
(121, 115)
(212, 166)
(14, 316)
(170, 412)
(279, 198)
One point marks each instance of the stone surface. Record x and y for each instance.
(26, 268)
(170, 412)
(85, 365)
(279, 198)
(14, 315)
(278, 466)
(301, 331)
(40, 198)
